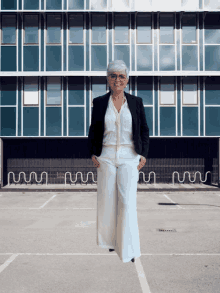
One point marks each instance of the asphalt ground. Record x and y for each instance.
(48, 244)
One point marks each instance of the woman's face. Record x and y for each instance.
(117, 81)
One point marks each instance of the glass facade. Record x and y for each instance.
(53, 64)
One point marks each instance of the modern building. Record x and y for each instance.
(54, 55)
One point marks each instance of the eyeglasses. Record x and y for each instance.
(115, 76)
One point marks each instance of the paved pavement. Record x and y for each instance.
(48, 244)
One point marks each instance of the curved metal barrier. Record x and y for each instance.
(189, 176)
(96, 181)
(29, 177)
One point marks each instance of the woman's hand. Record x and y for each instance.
(96, 163)
(141, 164)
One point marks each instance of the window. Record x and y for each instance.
(144, 31)
(9, 29)
(76, 29)
(189, 29)
(121, 29)
(98, 5)
(54, 90)
(99, 29)
(31, 96)
(98, 87)
(212, 28)
(76, 4)
(167, 90)
(31, 29)
(190, 93)
(53, 29)
(166, 29)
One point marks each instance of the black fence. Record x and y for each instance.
(57, 156)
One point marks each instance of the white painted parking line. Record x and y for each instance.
(178, 206)
(141, 275)
(47, 201)
(7, 262)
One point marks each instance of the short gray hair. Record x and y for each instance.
(117, 65)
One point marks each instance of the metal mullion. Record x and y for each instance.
(135, 45)
(153, 107)
(22, 43)
(198, 100)
(181, 47)
(61, 83)
(113, 35)
(45, 80)
(44, 9)
(181, 108)
(16, 105)
(135, 85)
(62, 4)
(62, 42)
(175, 41)
(203, 24)
(175, 100)
(17, 5)
(22, 4)
(67, 107)
(84, 80)
(16, 42)
(198, 40)
(90, 99)
(107, 35)
(22, 97)
(45, 35)
(158, 39)
(67, 33)
(130, 38)
(90, 40)
(84, 39)
(204, 106)
(39, 104)
(158, 105)
(39, 38)
(152, 36)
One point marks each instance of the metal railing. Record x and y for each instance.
(25, 177)
(192, 181)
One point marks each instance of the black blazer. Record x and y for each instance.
(140, 128)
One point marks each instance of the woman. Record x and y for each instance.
(118, 137)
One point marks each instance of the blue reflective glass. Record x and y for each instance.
(30, 121)
(212, 90)
(144, 57)
(53, 4)
(145, 89)
(189, 28)
(167, 57)
(149, 117)
(212, 57)
(76, 121)
(98, 5)
(212, 28)
(53, 91)
(53, 121)
(190, 121)
(8, 91)
(121, 29)
(9, 4)
(31, 4)
(31, 58)
(8, 121)
(122, 52)
(144, 32)
(53, 58)
(76, 90)
(8, 29)
(167, 121)
(53, 29)
(190, 57)
(76, 29)
(98, 28)
(76, 58)
(98, 86)
(212, 115)
(8, 58)
(99, 57)
(31, 29)
(167, 29)
(76, 4)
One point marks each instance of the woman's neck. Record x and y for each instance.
(117, 96)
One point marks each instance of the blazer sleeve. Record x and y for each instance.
(144, 131)
(91, 135)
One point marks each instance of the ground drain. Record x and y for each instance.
(166, 230)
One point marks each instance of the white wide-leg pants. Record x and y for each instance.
(117, 224)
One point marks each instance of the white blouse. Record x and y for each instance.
(118, 126)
